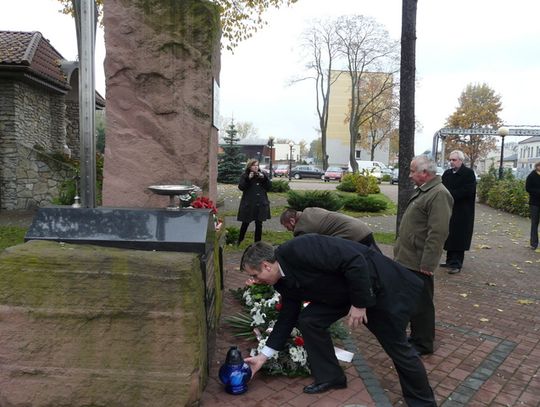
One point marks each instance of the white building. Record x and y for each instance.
(528, 154)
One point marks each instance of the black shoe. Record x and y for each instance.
(454, 271)
(421, 351)
(316, 388)
(444, 265)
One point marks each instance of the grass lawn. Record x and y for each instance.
(11, 236)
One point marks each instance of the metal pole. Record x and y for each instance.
(271, 145)
(290, 161)
(502, 158)
(85, 20)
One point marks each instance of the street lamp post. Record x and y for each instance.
(291, 145)
(502, 132)
(271, 145)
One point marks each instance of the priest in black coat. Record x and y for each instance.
(339, 278)
(461, 183)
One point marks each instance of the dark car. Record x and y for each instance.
(333, 173)
(395, 176)
(306, 171)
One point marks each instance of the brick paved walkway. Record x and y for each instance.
(488, 340)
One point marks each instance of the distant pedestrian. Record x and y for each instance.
(460, 181)
(329, 223)
(532, 186)
(422, 233)
(254, 205)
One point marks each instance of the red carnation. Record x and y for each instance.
(299, 341)
(278, 306)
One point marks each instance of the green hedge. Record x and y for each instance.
(365, 204)
(507, 194)
(321, 199)
(280, 185)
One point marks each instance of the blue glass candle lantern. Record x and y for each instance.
(235, 373)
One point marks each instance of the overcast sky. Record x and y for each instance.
(458, 42)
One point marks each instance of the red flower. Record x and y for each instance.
(204, 202)
(299, 341)
(278, 306)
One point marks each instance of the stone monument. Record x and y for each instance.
(162, 71)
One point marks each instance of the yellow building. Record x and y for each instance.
(337, 134)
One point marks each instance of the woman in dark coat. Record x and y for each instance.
(461, 183)
(254, 205)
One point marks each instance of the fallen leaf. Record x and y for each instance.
(491, 284)
(484, 246)
(500, 310)
(484, 319)
(463, 295)
(525, 302)
(528, 261)
(476, 305)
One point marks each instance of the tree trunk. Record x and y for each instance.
(406, 113)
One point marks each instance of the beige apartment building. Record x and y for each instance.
(338, 139)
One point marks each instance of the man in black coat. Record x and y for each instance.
(339, 278)
(532, 186)
(461, 183)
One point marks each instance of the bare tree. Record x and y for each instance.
(320, 42)
(368, 50)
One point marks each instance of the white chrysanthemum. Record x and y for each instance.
(295, 332)
(258, 318)
(298, 355)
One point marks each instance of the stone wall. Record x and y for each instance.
(31, 120)
(93, 326)
(162, 61)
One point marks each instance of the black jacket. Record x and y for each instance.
(532, 186)
(338, 273)
(254, 204)
(462, 186)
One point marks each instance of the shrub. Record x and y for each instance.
(485, 184)
(363, 184)
(510, 196)
(280, 185)
(321, 199)
(365, 204)
(386, 178)
(231, 235)
(348, 183)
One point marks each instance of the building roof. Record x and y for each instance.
(30, 54)
(533, 139)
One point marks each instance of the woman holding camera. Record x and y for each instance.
(254, 205)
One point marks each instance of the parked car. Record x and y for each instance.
(306, 171)
(281, 170)
(334, 173)
(264, 169)
(375, 168)
(395, 176)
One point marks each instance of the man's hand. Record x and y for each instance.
(255, 363)
(426, 272)
(356, 317)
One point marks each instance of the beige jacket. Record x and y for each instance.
(424, 227)
(324, 222)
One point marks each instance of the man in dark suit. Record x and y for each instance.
(461, 183)
(339, 278)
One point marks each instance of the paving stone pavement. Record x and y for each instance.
(487, 350)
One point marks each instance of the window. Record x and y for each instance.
(357, 153)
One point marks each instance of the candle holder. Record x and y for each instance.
(235, 373)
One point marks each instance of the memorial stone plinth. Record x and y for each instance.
(162, 72)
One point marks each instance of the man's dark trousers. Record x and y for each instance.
(423, 320)
(388, 323)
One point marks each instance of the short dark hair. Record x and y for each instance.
(287, 215)
(255, 254)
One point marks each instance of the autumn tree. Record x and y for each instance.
(479, 108)
(240, 19)
(367, 50)
(244, 130)
(382, 114)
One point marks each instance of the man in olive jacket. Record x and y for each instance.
(419, 246)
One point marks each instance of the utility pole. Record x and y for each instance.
(85, 23)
